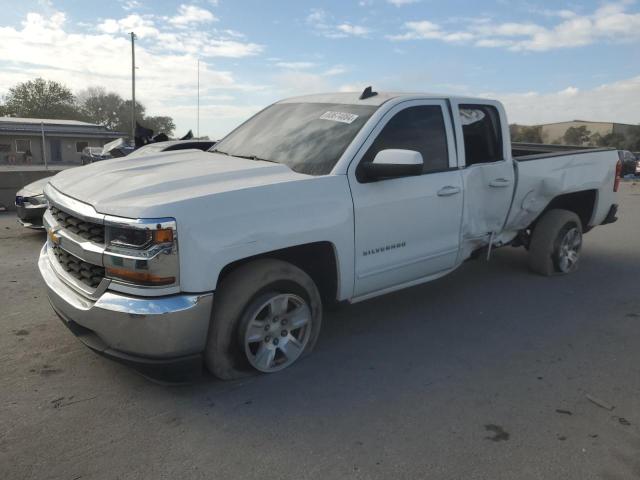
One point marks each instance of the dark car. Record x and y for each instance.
(31, 203)
(629, 162)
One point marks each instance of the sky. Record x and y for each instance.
(545, 60)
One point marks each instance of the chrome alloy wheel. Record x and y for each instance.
(569, 250)
(277, 332)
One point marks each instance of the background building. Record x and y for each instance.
(555, 132)
(36, 141)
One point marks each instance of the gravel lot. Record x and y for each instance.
(483, 374)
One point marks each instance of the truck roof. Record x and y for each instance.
(353, 98)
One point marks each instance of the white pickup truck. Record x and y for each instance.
(225, 258)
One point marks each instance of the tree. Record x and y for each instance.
(124, 115)
(101, 107)
(111, 110)
(633, 139)
(614, 140)
(160, 124)
(576, 136)
(41, 98)
(526, 134)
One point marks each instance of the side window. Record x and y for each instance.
(420, 129)
(482, 134)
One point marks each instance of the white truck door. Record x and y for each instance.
(407, 229)
(484, 154)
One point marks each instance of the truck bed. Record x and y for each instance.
(561, 171)
(535, 151)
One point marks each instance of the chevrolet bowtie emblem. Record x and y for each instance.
(52, 233)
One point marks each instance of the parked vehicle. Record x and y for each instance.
(31, 204)
(171, 145)
(227, 257)
(30, 200)
(92, 154)
(629, 162)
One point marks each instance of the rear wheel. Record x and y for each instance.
(267, 315)
(556, 243)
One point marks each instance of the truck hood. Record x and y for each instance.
(136, 187)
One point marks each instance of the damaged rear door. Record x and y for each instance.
(488, 175)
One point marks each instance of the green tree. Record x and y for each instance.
(124, 115)
(633, 139)
(577, 136)
(101, 107)
(41, 98)
(526, 134)
(160, 124)
(614, 140)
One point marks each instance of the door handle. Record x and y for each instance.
(499, 182)
(448, 191)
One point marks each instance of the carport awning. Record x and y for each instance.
(58, 131)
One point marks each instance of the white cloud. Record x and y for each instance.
(166, 76)
(400, 3)
(295, 65)
(610, 22)
(615, 102)
(128, 5)
(335, 70)
(142, 26)
(190, 14)
(353, 30)
(324, 24)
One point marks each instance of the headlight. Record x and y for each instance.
(142, 252)
(37, 199)
(30, 201)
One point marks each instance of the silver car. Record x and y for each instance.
(31, 204)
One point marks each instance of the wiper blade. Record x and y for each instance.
(220, 152)
(247, 157)
(254, 157)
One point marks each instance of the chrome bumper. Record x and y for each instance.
(150, 328)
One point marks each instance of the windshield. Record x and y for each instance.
(307, 137)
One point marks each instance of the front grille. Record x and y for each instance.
(93, 232)
(87, 273)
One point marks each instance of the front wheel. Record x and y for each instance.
(556, 243)
(267, 315)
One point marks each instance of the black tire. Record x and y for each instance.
(237, 293)
(546, 247)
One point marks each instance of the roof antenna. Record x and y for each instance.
(367, 93)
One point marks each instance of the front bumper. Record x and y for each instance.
(31, 216)
(162, 337)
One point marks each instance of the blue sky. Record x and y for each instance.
(547, 61)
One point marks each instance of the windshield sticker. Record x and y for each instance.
(341, 117)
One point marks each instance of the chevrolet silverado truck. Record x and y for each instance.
(225, 258)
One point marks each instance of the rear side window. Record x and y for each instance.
(420, 129)
(482, 134)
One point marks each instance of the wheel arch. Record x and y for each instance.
(319, 260)
(582, 203)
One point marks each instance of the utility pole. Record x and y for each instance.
(198, 117)
(133, 87)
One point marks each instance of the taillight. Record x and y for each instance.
(616, 182)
